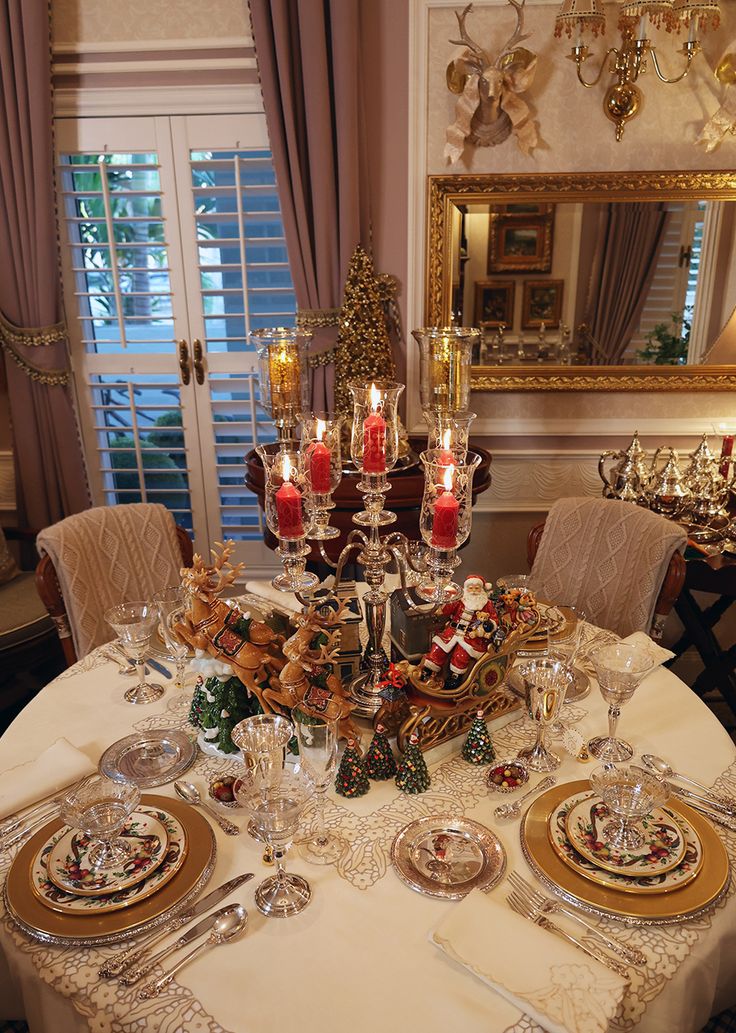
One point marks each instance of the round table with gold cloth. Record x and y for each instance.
(359, 957)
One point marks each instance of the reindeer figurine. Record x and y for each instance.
(308, 678)
(216, 627)
(488, 108)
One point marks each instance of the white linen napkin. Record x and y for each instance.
(54, 769)
(643, 644)
(560, 987)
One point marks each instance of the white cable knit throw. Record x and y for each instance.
(608, 557)
(109, 555)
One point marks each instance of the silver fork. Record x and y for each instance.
(522, 907)
(548, 905)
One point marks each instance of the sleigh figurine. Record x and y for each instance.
(463, 671)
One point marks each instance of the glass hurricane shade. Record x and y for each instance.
(320, 446)
(579, 16)
(445, 357)
(282, 373)
(374, 441)
(447, 509)
(448, 430)
(288, 503)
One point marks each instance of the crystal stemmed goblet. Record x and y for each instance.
(100, 808)
(619, 668)
(263, 739)
(134, 624)
(545, 684)
(629, 793)
(317, 737)
(170, 603)
(276, 811)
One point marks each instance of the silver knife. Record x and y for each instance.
(138, 971)
(714, 816)
(706, 801)
(158, 667)
(117, 964)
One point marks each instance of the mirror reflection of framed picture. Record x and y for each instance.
(541, 303)
(521, 242)
(494, 303)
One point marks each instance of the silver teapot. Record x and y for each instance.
(627, 478)
(702, 461)
(666, 491)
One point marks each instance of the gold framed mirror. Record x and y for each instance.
(559, 248)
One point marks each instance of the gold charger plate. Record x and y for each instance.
(41, 923)
(538, 641)
(654, 909)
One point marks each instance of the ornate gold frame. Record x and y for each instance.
(444, 191)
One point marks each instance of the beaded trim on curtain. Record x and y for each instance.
(315, 319)
(12, 338)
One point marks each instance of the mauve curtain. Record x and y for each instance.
(50, 476)
(629, 240)
(309, 67)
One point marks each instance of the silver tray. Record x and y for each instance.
(447, 857)
(582, 685)
(149, 758)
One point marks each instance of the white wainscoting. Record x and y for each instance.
(525, 481)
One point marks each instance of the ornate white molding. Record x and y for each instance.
(529, 482)
(224, 99)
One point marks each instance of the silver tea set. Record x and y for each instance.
(698, 494)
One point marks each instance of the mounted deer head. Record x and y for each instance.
(488, 109)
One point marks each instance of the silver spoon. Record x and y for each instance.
(664, 769)
(513, 810)
(191, 794)
(231, 923)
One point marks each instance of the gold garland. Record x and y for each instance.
(12, 338)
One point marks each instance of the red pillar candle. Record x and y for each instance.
(446, 456)
(374, 438)
(726, 452)
(319, 468)
(446, 515)
(289, 507)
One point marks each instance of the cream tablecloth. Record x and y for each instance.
(358, 958)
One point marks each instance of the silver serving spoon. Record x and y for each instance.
(513, 810)
(664, 769)
(191, 794)
(231, 923)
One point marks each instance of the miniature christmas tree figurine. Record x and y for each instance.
(379, 760)
(351, 779)
(199, 701)
(478, 748)
(412, 775)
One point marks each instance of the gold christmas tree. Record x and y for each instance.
(363, 349)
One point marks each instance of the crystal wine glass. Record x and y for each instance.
(263, 739)
(134, 623)
(317, 738)
(276, 811)
(100, 808)
(629, 793)
(619, 668)
(545, 684)
(170, 603)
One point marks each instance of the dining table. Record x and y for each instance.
(360, 956)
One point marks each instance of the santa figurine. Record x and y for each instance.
(471, 623)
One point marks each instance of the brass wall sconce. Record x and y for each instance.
(628, 61)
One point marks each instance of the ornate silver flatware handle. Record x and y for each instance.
(114, 966)
(611, 963)
(629, 954)
(137, 972)
(227, 827)
(154, 989)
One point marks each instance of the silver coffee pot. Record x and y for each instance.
(666, 491)
(628, 475)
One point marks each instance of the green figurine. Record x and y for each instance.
(478, 747)
(379, 760)
(412, 775)
(352, 778)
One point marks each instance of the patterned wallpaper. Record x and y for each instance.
(107, 21)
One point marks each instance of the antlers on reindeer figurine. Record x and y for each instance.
(488, 107)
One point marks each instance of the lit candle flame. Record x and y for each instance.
(447, 438)
(375, 396)
(321, 428)
(449, 474)
(286, 471)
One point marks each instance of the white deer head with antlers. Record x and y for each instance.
(488, 108)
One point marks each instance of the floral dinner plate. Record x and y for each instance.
(73, 903)
(67, 865)
(663, 847)
(662, 882)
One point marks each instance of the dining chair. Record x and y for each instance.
(621, 564)
(104, 556)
